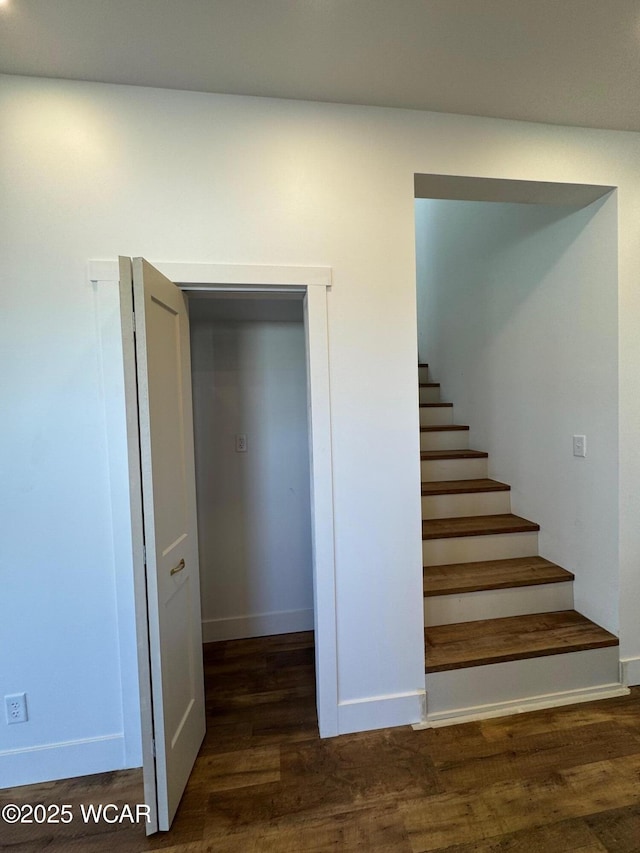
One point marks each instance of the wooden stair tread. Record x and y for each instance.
(489, 641)
(461, 487)
(492, 574)
(443, 427)
(453, 454)
(435, 405)
(476, 525)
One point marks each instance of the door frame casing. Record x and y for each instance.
(313, 283)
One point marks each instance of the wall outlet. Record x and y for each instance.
(241, 443)
(16, 708)
(579, 445)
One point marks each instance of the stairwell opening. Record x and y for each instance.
(517, 320)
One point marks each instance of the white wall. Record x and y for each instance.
(517, 308)
(249, 377)
(90, 171)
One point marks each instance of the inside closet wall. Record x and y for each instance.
(254, 529)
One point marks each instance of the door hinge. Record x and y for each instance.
(133, 320)
(144, 554)
(153, 747)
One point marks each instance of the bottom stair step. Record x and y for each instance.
(514, 664)
(513, 687)
(489, 641)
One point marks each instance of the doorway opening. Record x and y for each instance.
(115, 309)
(251, 441)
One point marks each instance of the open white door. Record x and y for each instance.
(160, 391)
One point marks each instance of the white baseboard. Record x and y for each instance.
(630, 671)
(380, 712)
(521, 706)
(61, 760)
(256, 625)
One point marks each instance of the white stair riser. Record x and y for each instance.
(468, 549)
(434, 415)
(430, 395)
(495, 603)
(453, 469)
(423, 374)
(479, 690)
(449, 439)
(468, 503)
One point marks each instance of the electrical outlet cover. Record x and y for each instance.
(16, 708)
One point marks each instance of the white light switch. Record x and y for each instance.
(579, 445)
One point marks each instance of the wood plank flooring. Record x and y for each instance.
(555, 781)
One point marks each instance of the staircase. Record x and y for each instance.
(501, 634)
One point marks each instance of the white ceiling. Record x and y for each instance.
(571, 62)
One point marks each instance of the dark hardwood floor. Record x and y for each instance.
(553, 781)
